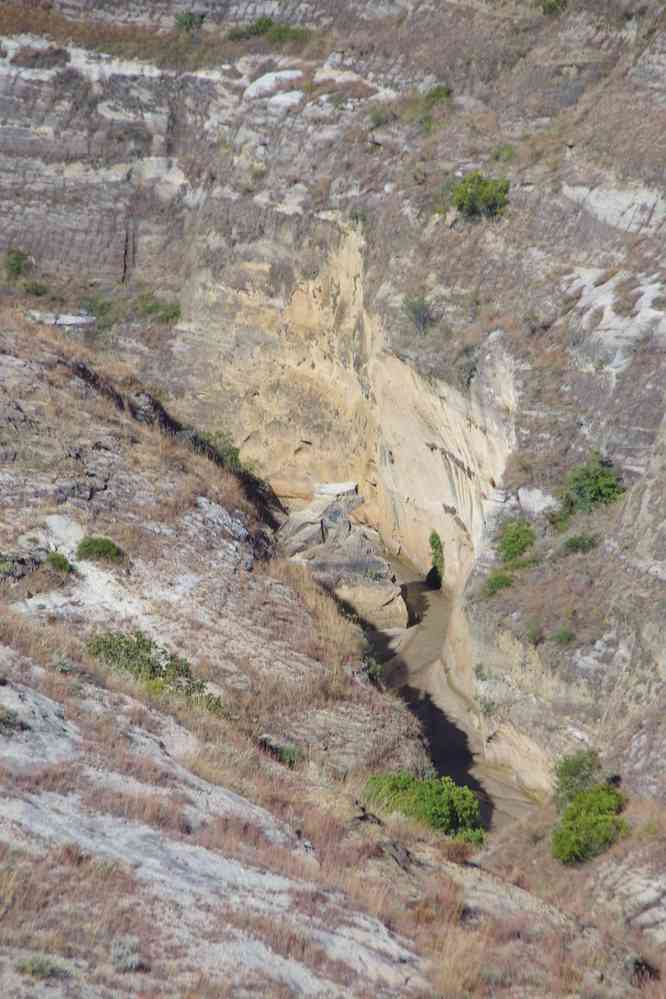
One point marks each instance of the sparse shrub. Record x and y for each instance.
(226, 450)
(436, 801)
(125, 955)
(563, 635)
(590, 824)
(189, 21)
(497, 581)
(41, 966)
(380, 115)
(165, 312)
(160, 670)
(101, 308)
(16, 263)
(59, 563)
(97, 549)
(515, 538)
(373, 669)
(553, 7)
(580, 543)
(437, 95)
(534, 633)
(488, 706)
(437, 552)
(277, 34)
(36, 288)
(592, 484)
(417, 309)
(476, 195)
(503, 153)
(574, 773)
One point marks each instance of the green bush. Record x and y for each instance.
(515, 538)
(497, 581)
(580, 543)
(476, 195)
(189, 21)
(534, 633)
(592, 484)
(227, 451)
(417, 309)
(41, 966)
(58, 562)
(277, 34)
(101, 309)
(563, 635)
(36, 288)
(575, 773)
(553, 7)
(437, 552)
(16, 263)
(437, 802)
(158, 669)
(589, 825)
(97, 549)
(503, 153)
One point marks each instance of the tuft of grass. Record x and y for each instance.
(102, 309)
(503, 153)
(158, 669)
(476, 196)
(36, 288)
(438, 802)
(16, 263)
(563, 635)
(97, 549)
(59, 563)
(42, 967)
(497, 581)
(552, 8)
(189, 21)
(151, 307)
(580, 543)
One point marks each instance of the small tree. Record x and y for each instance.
(477, 195)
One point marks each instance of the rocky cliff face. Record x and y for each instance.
(297, 199)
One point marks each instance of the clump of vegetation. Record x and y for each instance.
(165, 312)
(41, 966)
(420, 107)
(437, 552)
(563, 635)
(475, 195)
(590, 824)
(36, 288)
(16, 263)
(59, 563)
(503, 153)
(497, 581)
(189, 21)
(580, 543)
(436, 801)
(381, 115)
(9, 721)
(374, 670)
(417, 309)
(594, 483)
(574, 773)
(535, 633)
(97, 549)
(276, 34)
(102, 309)
(515, 538)
(223, 445)
(553, 7)
(125, 955)
(154, 665)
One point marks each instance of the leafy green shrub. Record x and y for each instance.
(437, 95)
(563, 635)
(503, 153)
(497, 581)
(226, 450)
(594, 483)
(515, 538)
(154, 665)
(97, 549)
(189, 21)
(476, 195)
(36, 288)
(59, 563)
(417, 309)
(16, 263)
(589, 825)
(574, 773)
(553, 7)
(437, 552)
(436, 801)
(580, 543)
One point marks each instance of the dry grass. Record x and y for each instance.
(177, 50)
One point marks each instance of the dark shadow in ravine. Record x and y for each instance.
(448, 746)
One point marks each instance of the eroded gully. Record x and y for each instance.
(418, 672)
